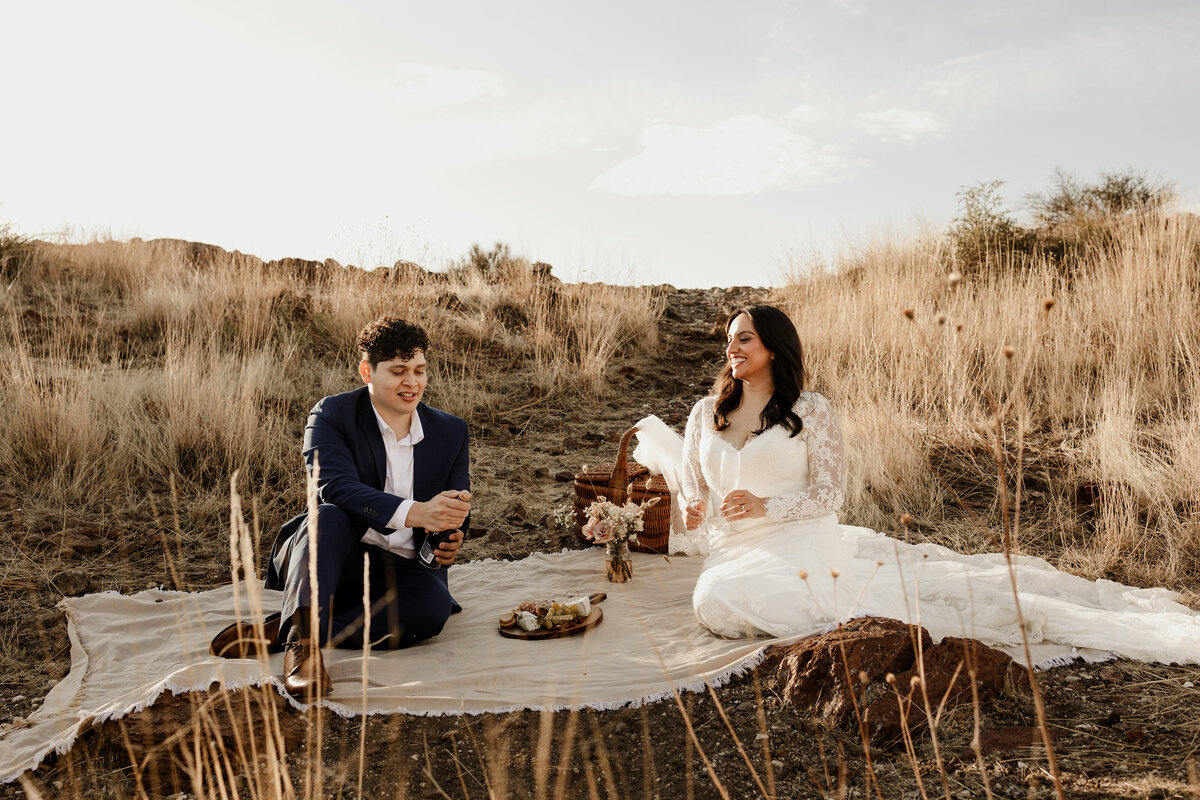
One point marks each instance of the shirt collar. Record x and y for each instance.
(415, 432)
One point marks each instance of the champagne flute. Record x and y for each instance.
(731, 471)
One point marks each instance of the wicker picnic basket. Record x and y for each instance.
(611, 480)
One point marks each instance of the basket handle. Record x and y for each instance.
(620, 474)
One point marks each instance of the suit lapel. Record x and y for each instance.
(422, 455)
(368, 428)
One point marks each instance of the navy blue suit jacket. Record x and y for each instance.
(342, 437)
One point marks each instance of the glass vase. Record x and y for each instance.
(620, 563)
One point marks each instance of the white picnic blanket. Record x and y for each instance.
(128, 649)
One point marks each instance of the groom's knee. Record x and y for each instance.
(332, 525)
(407, 622)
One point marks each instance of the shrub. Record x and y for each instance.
(1115, 194)
(984, 225)
(15, 251)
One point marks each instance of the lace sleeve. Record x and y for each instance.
(690, 475)
(826, 466)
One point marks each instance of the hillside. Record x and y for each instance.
(142, 376)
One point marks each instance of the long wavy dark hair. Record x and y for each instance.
(779, 336)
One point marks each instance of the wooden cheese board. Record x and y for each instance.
(579, 626)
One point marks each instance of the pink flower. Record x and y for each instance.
(587, 529)
(601, 531)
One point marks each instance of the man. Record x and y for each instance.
(389, 469)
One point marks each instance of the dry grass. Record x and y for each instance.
(127, 365)
(1104, 434)
(147, 374)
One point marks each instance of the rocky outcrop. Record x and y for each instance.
(869, 669)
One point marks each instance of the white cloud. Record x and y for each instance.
(427, 86)
(902, 124)
(742, 155)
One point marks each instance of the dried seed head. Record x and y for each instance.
(953, 279)
(958, 326)
(803, 575)
(915, 681)
(1008, 351)
(906, 520)
(863, 677)
(941, 319)
(833, 573)
(1048, 304)
(908, 312)
(878, 563)
(890, 678)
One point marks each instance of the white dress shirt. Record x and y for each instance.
(399, 481)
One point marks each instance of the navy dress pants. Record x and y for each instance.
(408, 603)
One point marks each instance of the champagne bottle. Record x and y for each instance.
(434, 538)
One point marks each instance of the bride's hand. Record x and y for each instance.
(695, 515)
(740, 504)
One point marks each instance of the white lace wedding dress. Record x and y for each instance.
(798, 571)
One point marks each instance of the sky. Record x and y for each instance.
(693, 143)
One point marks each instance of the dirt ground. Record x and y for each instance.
(1122, 729)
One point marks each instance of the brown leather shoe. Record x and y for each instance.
(241, 639)
(303, 669)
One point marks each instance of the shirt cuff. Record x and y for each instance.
(397, 522)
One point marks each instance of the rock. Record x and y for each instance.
(564, 476)
(674, 315)
(516, 511)
(71, 583)
(814, 676)
(996, 675)
(79, 543)
(1134, 735)
(819, 674)
(128, 548)
(543, 272)
(302, 268)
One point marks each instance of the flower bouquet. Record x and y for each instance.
(613, 526)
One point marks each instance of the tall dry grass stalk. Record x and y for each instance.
(1105, 453)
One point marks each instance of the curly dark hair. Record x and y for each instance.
(391, 337)
(779, 336)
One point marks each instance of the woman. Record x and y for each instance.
(764, 468)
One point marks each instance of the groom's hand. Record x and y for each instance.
(445, 512)
(448, 551)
